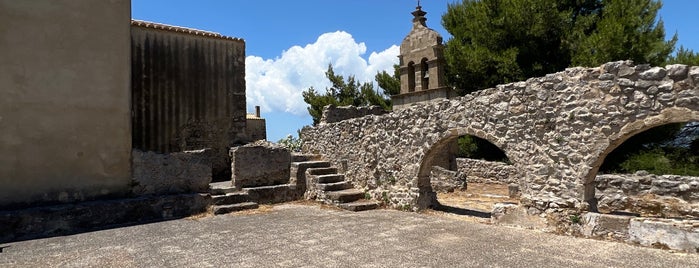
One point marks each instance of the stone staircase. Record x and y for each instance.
(322, 182)
(226, 199)
(311, 178)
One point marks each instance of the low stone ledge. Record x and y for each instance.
(48, 221)
(274, 194)
(663, 233)
(681, 235)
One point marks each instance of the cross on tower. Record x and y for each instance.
(418, 2)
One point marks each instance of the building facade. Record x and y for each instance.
(421, 65)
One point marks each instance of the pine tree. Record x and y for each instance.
(342, 93)
(500, 41)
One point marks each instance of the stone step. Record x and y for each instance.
(335, 186)
(230, 198)
(330, 178)
(221, 188)
(274, 193)
(305, 157)
(345, 196)
(223, 209)
(310, 164)
(322, 171)
(360, 205)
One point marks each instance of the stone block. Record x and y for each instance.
(260, 163)
(446, 181)
(605, 226)
(669, 234)
(183, 172)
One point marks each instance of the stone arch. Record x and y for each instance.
(435, 156)
(424, 74)
(667, 116)
(411, 76)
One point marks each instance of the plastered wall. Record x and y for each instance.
(65, 130)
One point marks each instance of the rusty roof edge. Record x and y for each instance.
(172, 28)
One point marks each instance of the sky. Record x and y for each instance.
(289, 44)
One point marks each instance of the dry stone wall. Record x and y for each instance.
(648, 194)
(332, 113)
(556, 131)
(476, 170)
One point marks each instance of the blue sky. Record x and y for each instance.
(289, 44)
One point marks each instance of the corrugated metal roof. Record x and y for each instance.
(165, 27)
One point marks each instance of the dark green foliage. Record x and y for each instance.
(500, 41)
(684, 56)
(477, 148)
(389, 83)
(342, 93)
(650, 151)
(626, 30)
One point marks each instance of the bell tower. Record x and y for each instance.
(421, 65)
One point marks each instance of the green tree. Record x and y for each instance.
(626, 30)
(389, 83)
(500, 41)
(340, 93)
(684, 56)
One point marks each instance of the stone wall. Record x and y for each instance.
(482, 171)
(332, 113)
(261, 163)
(188, 90)
(648, 195)
(65, 118)
(556, 130)
(174, 173)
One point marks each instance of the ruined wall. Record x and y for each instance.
(482, 171)
(65, 118)
(649, 195)
(261, 163)
(188, 91)
(332, 113)
(173, 173)
(556, 130)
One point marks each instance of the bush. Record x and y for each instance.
(661, 161)
(292, 143)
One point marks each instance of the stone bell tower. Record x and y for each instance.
(421, 65)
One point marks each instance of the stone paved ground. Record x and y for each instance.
(298, 235)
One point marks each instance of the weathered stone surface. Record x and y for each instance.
(260, 163)
(669, 234)
(183, 172)
(648, 194)
(486, 171)
(332, 113)
(446, 181)
(555, 130)
(72, 218)
(605, 226)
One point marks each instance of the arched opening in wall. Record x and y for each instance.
(411, 77)
(467, 175)
(424, 75)
(652, 172)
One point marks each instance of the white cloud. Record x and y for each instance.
(276, 84)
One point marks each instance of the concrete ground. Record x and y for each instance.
(302, 235)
